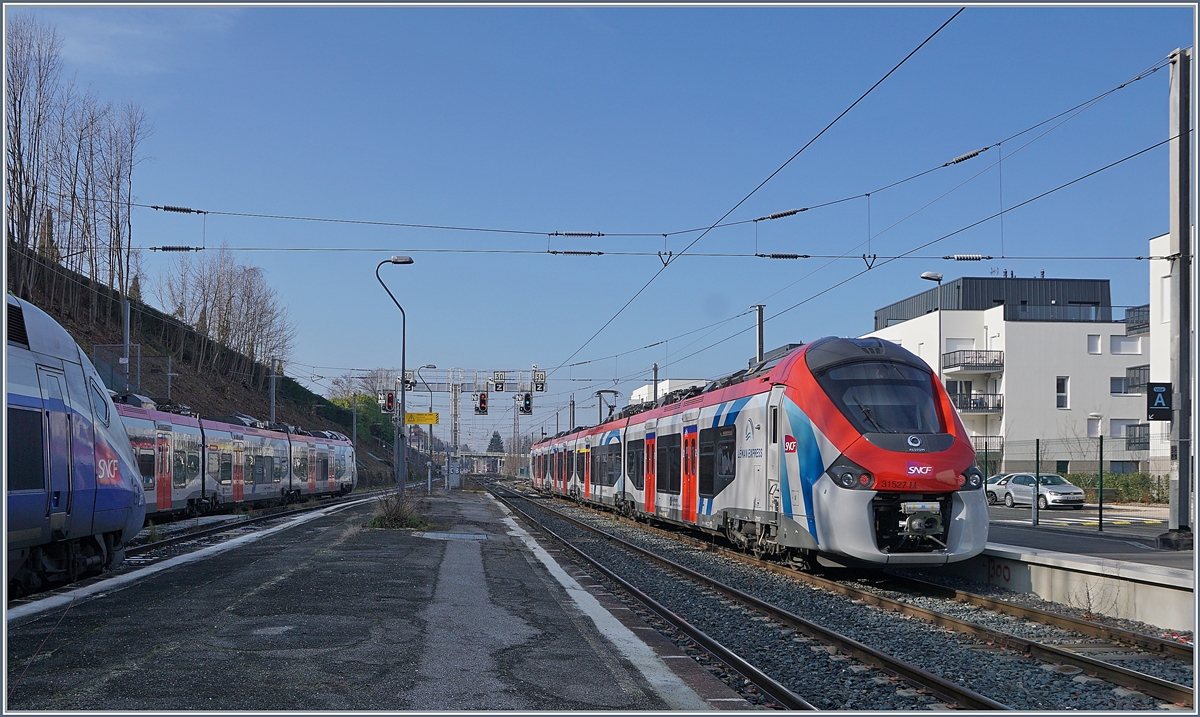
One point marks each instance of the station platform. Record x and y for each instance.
(1119, 571)
(472, 614)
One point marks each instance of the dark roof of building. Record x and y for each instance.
(1023, 299)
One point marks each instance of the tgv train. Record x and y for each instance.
(848, 449)
(194, 465)
(74, 497)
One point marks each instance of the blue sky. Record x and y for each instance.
(628, 120)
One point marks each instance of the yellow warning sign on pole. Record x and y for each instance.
(421, 419)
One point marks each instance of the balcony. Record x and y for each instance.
(1137, 437)
(978, 402)
(1137, 320)
(971, 361)
(1136, 378)
(988, 444)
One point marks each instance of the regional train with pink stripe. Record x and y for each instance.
(191, 465)
(846, 451)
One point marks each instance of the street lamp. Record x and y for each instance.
(935, 276)
(399, 449)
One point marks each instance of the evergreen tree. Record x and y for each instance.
(496, 445)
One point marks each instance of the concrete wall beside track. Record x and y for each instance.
(1153, 594)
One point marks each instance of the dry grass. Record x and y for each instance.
(399, 512)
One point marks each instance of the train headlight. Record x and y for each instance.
(848, 474)
(971, 479)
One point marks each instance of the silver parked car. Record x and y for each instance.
(995, 488)
(1054, 491)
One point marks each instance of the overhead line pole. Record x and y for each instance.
(1179, 533)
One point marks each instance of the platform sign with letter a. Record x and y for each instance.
(1158, 402)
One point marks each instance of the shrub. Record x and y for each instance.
(399, 512)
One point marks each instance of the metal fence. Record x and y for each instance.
(1124, 474)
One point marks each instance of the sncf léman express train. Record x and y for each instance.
(74, 497)
(195, 465)
(848, 449)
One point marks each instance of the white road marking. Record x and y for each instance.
(666, 683)
(97, 590)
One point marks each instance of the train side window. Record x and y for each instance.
(193, 462)
(264, 469)
(636, 462)
(213, 466)
(725, 458)
(570, 464)
(179, 472)
(100, 401)
(708, 471)
(670, 463)
(145, 460)
(26, 451)
(774, 424)
(226, 467)
(280, 468)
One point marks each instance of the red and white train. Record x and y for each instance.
(195, 465)
(844, 448)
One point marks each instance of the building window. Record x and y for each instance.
(1125, 345)
(1121, 467)
(1093, 343)
(1061, 385)
(1118, 386)
(1093, 427)
(1118, 427)
(1062, 467)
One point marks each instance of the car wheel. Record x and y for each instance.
(991, 498)
(1008, 501)
(1042, 504)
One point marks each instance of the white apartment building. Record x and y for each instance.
(1027, 359)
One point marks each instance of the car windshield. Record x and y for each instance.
(1053, 480)
(883, 396)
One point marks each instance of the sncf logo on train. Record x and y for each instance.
(789, 444)
(108, 469)
(919, 469)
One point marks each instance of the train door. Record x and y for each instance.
(330, 461)
(689, 484)
(162, 469)
(586, 453)
(239, 478)
(651, 458)
(58, 420)
(312, 468)
(775, 456)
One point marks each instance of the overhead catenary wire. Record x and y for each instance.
(671, 260)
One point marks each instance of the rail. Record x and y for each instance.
(946, 690)
(1115, 674)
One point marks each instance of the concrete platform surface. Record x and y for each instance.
(1117, 546)
(330, 615)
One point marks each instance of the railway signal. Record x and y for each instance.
(481, 406)
(527, 403)
(389, 402)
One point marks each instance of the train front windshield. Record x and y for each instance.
(883, 396)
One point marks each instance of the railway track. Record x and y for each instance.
(789, 650)
(1084, 650)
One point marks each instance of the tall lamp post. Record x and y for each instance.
(429, 437)
(399, 447)
(935, 276)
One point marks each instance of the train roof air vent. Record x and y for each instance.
(16, 325)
